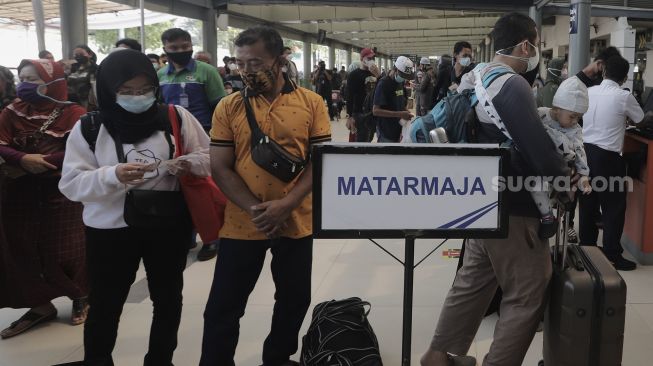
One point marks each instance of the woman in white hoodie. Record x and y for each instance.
(119, 164)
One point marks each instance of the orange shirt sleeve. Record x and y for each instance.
(321, 125)
(221, 130)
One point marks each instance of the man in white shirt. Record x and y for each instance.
(603, 134)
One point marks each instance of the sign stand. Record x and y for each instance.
(339, 206)
(409, 269)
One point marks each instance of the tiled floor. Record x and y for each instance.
(342, 268)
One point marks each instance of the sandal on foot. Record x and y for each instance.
(80, 311)
(27, 321)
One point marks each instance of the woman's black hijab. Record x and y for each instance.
(118, 68)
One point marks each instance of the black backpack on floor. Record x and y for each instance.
(340, 335)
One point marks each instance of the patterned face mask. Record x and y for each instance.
(261, 81)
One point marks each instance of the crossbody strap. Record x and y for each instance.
(257, 134)
(486, 103)
(120, 152)
(176, 130)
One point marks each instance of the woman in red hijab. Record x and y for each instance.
(43, 252)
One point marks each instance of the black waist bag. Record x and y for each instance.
(155, 209)
(268, 154)
(340, 335)
(150, 209)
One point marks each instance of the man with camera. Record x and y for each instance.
(322, 81)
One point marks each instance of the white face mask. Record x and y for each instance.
(532, 62)
(369, 63)
(136, 103)
(232, 67)
(284, 69)
(554, 72)
(465, 61)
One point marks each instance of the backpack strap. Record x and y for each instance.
(488, 80)
(91, 123)
(486, 102)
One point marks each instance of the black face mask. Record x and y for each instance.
(81, 59)
(180, 58)
(531, 76)
(598, 80)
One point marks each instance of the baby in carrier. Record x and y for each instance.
(570, 102)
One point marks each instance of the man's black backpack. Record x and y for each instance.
(340, 335)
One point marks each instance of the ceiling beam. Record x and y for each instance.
(378, 25)
(196, 9)
(458, 5)
(370, 33)
(603, 11)
(457, 37)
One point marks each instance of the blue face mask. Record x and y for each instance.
(136, 103)
(399, 79)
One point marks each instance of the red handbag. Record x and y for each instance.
(205, 201)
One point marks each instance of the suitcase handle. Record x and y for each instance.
(561, 235)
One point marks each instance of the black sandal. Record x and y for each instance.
(27, 321)
(80, 311)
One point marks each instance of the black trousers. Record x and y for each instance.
(113, 257)
(327, 99)
(237, 270)
(365, 128)
(603, 164)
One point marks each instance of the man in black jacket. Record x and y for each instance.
(444, 79)
(356, 95)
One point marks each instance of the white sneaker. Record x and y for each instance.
(572, 237)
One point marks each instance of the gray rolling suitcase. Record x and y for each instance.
(584, 319)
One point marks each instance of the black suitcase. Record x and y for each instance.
(585, 316)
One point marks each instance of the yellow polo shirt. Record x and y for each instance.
(296, 119)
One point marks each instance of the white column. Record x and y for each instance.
(349, 60)
(332, 55)
(648, 74)
(624, 40)
(74, 29)
(308, 66)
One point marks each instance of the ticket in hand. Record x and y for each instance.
(151, 167)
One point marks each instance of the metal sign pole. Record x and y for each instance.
(143, 24)
(409, 269)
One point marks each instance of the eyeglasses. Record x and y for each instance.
(143, 91)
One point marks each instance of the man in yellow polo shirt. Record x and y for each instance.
(264, 212)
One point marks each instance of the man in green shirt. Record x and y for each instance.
(196, 86)
(554, 77)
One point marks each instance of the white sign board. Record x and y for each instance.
(386, 188)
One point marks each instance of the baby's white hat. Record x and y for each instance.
(572, 96)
